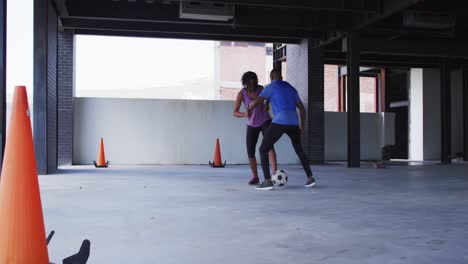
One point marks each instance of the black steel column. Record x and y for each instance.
(445, 107)
(465, 114)
(3, 17)
(352, 62)
(315, 126)
(279, 55)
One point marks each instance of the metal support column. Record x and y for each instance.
(445, 107)
(353, 105)
(465, 114)
(315, 105)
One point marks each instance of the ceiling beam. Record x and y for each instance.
(412, 32)
(187, 28)
(61, 7)
(371, 60)
(245, 16)
(363, 6)
(185, 36)
(388, 8)
(415, 48)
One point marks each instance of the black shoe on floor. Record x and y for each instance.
(267, 185)
(254, 181)
(310, 182)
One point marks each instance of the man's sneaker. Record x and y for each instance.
(254, 181)
(310, 182)
(267, 185)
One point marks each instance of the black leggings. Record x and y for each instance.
(252, 137)
(272, 135)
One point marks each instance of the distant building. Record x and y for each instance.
(232, 59)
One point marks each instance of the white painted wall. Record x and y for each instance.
(416, 128)
(425, 119)
(371, 135)
(152, 131)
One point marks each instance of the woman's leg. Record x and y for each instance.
(251, 141)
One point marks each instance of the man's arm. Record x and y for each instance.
(255, 102)
(302, 114)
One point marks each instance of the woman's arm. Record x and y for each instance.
(237, 105)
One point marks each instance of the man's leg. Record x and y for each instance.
(294, 133)
(272, 153)
(272, 134)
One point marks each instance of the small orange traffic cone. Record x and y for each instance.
(101, 160)
(217, 163)
(22, 232)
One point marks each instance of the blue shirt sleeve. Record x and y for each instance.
(266, 92)
(296, 95)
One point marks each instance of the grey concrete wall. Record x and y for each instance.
(144, 131)
(147, 131)
(371, 135)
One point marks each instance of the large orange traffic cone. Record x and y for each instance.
(101, 160)
(217, 163)
(22, 233)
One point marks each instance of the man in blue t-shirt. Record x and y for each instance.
(284, 99)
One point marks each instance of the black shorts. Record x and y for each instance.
(252, 137)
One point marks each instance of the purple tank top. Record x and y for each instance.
(259, 114)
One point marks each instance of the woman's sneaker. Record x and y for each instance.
(310, 182)
(267, 185)
(254, 181)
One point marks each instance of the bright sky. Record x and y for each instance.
(19, 46)
(104, 64)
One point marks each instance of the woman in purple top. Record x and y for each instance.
(258, 120)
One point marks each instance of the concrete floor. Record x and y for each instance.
(196, 214)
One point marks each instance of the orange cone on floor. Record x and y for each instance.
(217, 163)
(22, 232)
(101, 160)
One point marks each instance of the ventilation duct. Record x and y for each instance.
(206, 11)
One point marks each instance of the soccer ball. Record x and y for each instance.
(280, 178)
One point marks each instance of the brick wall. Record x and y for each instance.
(306, 73)
(235, 58)
(45, 86)
(65, 97)
(51, 89)
(367, 94)
(331, 88)
(228, 93)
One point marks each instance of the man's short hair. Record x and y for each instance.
(276, 71)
